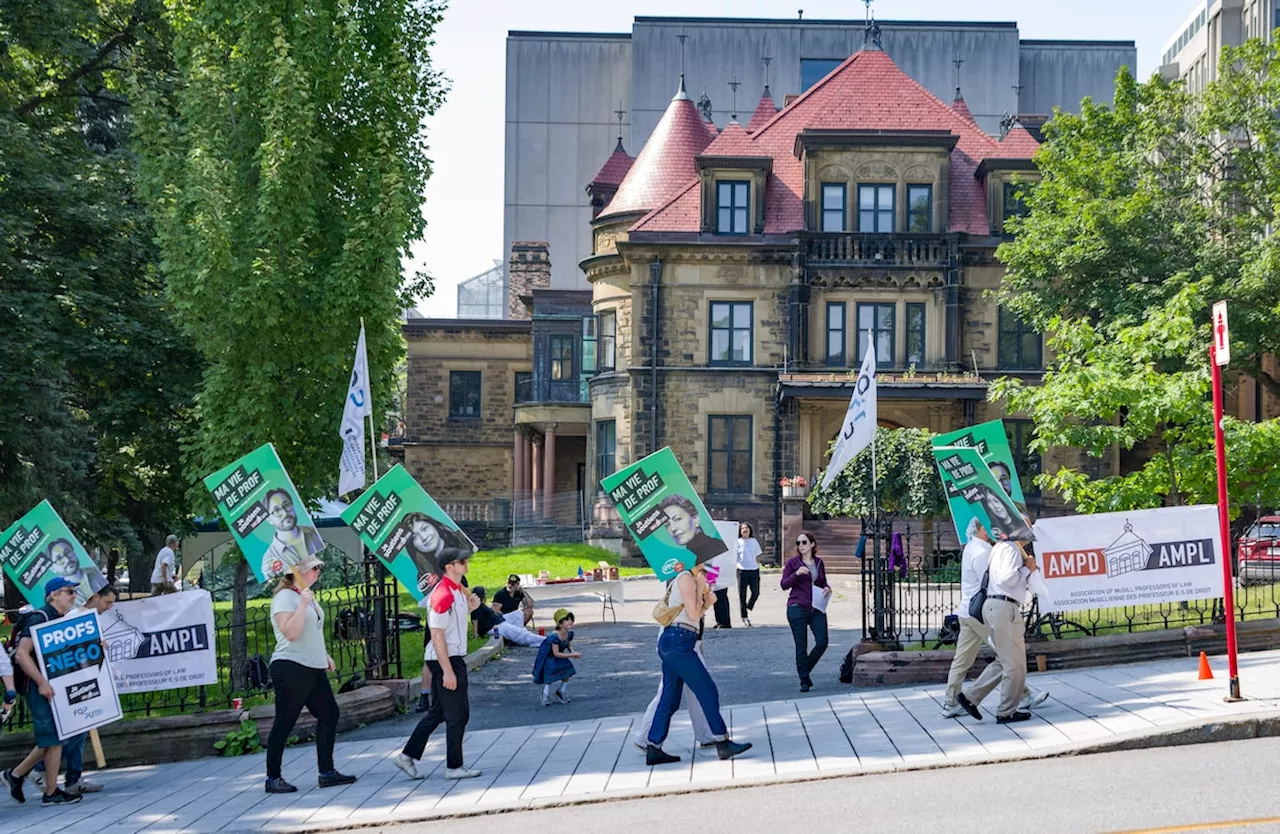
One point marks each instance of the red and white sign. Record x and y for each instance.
(1221, 334)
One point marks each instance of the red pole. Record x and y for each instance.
(1228, 592)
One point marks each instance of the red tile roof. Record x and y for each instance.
(867, 92)
(765, 111)
(665, 165)
(963, 109)
(1018, 143)
(614, 170)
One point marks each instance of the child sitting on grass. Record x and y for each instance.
(554, 662)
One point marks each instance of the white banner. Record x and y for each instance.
(357, 406)
(726, 564)
(70, 656)
(1132, 558)
(164, 642)
(860, 419)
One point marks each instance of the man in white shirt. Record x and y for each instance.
(973, 633)
(163, 574)
(448, 611)
(1010, 568)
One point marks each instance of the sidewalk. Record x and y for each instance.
(845, 732)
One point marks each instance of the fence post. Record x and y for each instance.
(239, 643)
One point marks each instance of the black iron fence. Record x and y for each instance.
(364, 633)
(910, 585)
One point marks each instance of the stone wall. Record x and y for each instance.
(462, 472)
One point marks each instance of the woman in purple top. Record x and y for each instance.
(804, 576)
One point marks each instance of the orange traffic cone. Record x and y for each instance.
(1205, 672)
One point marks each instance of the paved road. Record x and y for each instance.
(618, 673)
(1186, 789)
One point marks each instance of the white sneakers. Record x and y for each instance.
(953, 711)
(408, 765)
(460, 773)
(410, 768)
(1033, 699)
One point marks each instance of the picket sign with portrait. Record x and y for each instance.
(993, 445)
(161, 642)
(407, 530)
(260, 506)
(664, 514)
(70, 656)
(1139, 557)
(38, 547)
(972, 490)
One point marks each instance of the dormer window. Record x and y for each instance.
(732, 207)
(875, 209)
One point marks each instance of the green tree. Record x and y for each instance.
(284, 158)
(1147, 211)
(907, 476)
(97, 381)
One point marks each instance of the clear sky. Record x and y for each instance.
(464, 197)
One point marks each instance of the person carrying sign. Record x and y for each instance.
(59, 598)
(299, 668)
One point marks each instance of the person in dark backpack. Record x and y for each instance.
(59, 597)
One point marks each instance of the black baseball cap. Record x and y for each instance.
(513, 578)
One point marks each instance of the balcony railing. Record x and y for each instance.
(551, 391)
(876, 250)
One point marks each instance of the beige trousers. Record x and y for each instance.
(972, 635)
(1004, 618)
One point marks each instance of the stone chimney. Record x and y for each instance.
(529, 270)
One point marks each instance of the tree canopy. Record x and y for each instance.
(284, 160)
(1148, 211)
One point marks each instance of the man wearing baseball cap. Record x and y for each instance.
(511, 599)
(59, 598)
(448, 610)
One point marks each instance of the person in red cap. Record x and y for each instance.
(449, 609)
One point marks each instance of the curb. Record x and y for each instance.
(482, 655)
(1260, 725)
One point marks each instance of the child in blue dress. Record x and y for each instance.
(554, 665)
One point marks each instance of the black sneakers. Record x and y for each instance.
(1013, 717)
(279, 785)
(728, 749)
(60, 797)
(332, 778)
(424, 702)
(14, 784)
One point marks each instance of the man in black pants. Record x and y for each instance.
(448, 612)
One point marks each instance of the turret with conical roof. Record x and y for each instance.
(765, 111)
(666, 162)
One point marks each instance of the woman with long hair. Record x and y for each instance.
(430, 544)
(748, 570)
(299, 671)
(805, 576)
(682, 666)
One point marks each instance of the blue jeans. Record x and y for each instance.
(681, 667)
(802, 620)
(72, 758)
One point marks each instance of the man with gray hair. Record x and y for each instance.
(973, 633)
(166, 568)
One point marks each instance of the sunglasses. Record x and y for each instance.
(803, 541)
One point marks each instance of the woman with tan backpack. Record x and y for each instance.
(680, 612)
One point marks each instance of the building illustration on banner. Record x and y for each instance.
(122, 639)
(1127, 553)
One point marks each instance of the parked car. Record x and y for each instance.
(1258, 552)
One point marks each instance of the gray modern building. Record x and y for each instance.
(1193, 51)
(563, 89)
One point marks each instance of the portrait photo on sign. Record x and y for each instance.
(973, 491)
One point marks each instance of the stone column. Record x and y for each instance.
(517, 477)
(548, 469)
(535, 490)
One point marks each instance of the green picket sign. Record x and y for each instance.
(40, 546)
(406, 529)
(257, 500)
(973, 491)
(664, 514)
(993, 444)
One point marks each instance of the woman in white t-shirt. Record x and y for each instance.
(748, 569)
(299, 673)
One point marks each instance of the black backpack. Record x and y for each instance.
(20, 679)
(846, 668)
(259, 672)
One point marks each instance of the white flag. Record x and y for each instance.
(357, 406)
(859, 427)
